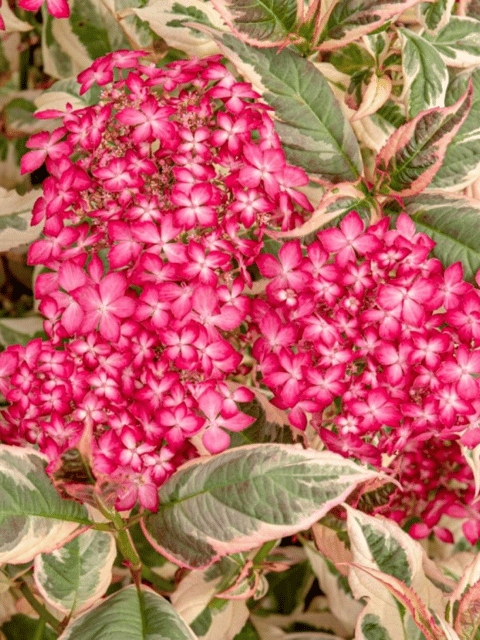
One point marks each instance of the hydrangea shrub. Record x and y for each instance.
(254, 408)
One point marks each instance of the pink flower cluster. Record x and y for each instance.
(155, 208)
(378, 347)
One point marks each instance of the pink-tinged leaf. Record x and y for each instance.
(414, 153)
(336, 202)
(348, 20)
(421, 616)
(259, 23)
(235, 501)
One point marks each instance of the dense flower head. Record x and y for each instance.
(369, 340)
(156, 205)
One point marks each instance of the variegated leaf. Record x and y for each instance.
(425, 73)
(464, 602)
(453, 222)
(77, 574)
(472, 458)
(238, 499)
(314, 132)
(415, 152)
(338, 201)
(467, 620)
(350, 19)
(10, 20)
(461, 165)
(335, 586)
(459, 42)
(434, 15)
(130, 615)
(378, 544)
(264, 23)
(33, 517)
(421, 616)
(19, 330)
(15, 217)
(177, 23)
(376, 94)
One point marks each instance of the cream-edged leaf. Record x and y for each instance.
(425, 74)
(77, 574)
(33, 517)
(242, 497)
(130, 615)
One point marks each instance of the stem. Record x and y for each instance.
(162, 585)
(38, 606)
(39, 629)
(264, 550)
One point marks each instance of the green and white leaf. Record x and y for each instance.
(335, 586)
(221, 619)
(415, 151)
(66, 91)
(348, 20)
(425, 73)
(126, 614)
(177, 21)
(314, 132)
(56, 62)
(453, 221)
(15, 218)
(259, 22)
(433, 16)
(336, 203)
(378, 544)
(33, 517)
(461, 165)
(459, 42)
(243, 497)
(74, 576)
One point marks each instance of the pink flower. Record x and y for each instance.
(105, 304)
(58, 8)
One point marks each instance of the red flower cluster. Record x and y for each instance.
(156, 205)
(380, 347)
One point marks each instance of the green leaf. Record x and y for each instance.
(21, 627)
(351, 19)
(130, 614)
(414, 153)
(462, 160)
(459, 42)
(351, 59)
(259, 22)
(454, 223)
(33, 517)
(435, 15)
(241, 498)
(315, 134)
(425, 73)
(74, 576)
